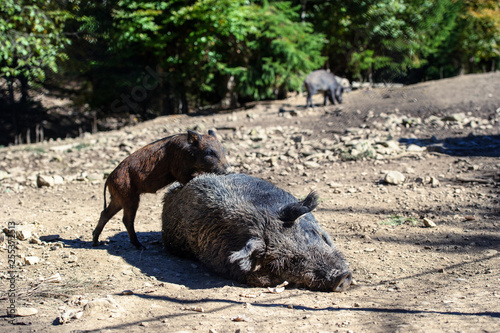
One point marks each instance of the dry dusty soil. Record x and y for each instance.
(424, 252)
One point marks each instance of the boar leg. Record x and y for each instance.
(128, 219)
(331, 96)
(106, 215)
(309, 100)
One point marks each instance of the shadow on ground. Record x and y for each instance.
(156, 261)
(471, 145)
(224, 304)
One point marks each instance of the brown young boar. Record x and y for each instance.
(175, 158)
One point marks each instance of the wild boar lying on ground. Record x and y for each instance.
(175, 158)
(247, 229)
(325, 82)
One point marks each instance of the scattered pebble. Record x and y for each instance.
(394, 178)
(68, 315)
(239, 318)
(56, 278)
(22, 312)
(429, 223)
(194, 308)
(31, 260)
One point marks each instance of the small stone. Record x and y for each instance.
(199, 127)
(68, 315)
(34, 240)
(391, 144)
(23, 234)
(22, 312)
(4, 174)
(311, 164)
(56, 278)
(72, 259)
(414, 148)
(491, 252)
(429, 223)
(394, 178)
(31, 260)
(127, 292)
(195, 308)
(56, 246)
(273, 161)
(239, 318)
(49, 238)
(102, 304)
(10, 232)
(42, 181)
(434, 182)
(458, 117)
(58, 180)
(93, 177)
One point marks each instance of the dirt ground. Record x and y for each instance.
(443, 136)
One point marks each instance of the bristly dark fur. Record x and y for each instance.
(249, 230)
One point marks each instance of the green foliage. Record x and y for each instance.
(279, 52)
(195, 47)
(387, 38)
(198, 46)
(31, 39)
(479, 32)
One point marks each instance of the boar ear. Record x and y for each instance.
(244, 256)
(193, 137)
(295, 210)
(212, 133)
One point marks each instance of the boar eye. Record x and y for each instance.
(210, 152)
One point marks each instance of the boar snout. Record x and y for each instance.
(229, 169)
(342, 282)
(223, 168)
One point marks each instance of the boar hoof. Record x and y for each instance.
(139, 246)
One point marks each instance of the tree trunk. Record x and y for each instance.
(12, 104)
(183, 107)
(24, 90)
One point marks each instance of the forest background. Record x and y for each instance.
(127, 59)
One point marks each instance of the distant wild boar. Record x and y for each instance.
(249, 230)
(175, 158)
(326, 82)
